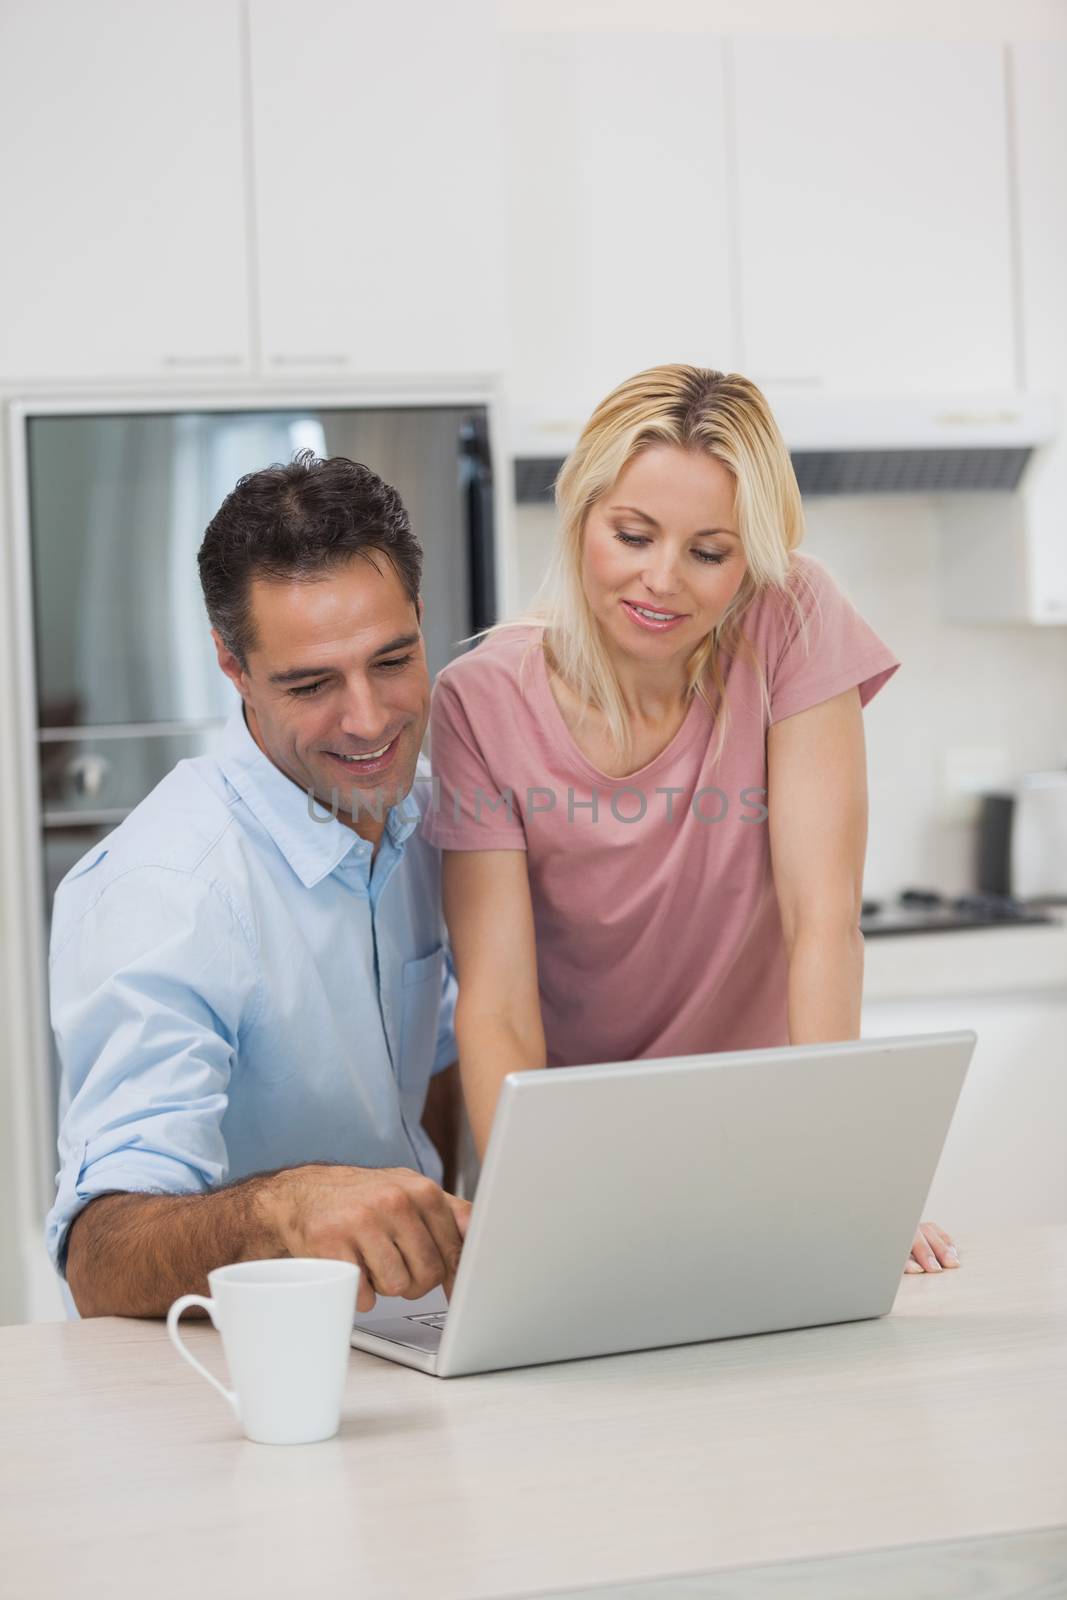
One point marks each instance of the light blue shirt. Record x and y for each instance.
(237, 988)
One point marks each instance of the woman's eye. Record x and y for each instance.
(706, 557)
(307, 688)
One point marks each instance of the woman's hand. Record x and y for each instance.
(931, 1250)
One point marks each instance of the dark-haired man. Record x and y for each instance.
(250, 989)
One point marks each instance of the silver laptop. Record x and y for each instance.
(655, 1203)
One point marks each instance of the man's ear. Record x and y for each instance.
(230, 665)
(422, 608)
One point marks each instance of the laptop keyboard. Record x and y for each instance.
(429, 1319)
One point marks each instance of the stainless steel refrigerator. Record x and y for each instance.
(126, 678)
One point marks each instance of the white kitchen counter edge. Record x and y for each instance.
(969, 961)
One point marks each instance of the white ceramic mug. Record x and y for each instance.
(285, 1327)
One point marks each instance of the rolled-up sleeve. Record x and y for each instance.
(151, 985)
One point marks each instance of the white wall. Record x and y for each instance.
(959, 688)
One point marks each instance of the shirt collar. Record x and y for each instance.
(312, 841)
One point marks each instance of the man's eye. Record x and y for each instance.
(394, 664)
(308, 688)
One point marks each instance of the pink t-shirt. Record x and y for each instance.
(658, 931)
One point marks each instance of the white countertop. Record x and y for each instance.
(124, 1475)
(966, 961)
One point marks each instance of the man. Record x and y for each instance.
(250, 990)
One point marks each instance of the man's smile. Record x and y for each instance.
(373, 761)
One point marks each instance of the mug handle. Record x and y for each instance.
(173, 1314)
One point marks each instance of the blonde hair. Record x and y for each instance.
(718, 414)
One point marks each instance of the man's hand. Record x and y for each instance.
(932, 1250)
(402, 1230)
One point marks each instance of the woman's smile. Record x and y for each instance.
(656, 621)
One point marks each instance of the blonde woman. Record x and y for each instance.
(652, 789)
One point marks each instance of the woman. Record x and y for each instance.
(652, 795)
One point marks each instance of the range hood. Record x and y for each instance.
(860, 443)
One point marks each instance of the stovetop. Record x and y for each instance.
(926, 911)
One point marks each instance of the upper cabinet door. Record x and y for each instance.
(122, 176)
(377, 184)
(1039, 77)
(874, 220)
(1039, 74)
(619, 233)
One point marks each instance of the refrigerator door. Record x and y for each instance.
(424, 455)
(63, 849)
(95, 778)
(118, 507)
(126, 674)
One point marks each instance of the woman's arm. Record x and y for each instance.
(817, 804)
(498, 1010)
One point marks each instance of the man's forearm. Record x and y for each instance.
(131, 1255)
(825, 986)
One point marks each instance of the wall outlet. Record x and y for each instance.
(967, 772)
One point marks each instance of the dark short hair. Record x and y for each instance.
(299, 521)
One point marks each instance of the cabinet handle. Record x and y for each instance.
(203, 361)
(309, 361)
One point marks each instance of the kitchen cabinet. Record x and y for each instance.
(1039, 77)
(619, 224)
(1004, 559)
(377, 187)
(122, 172)
(873, 214)
(1003, 1162)
(1039, 96)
